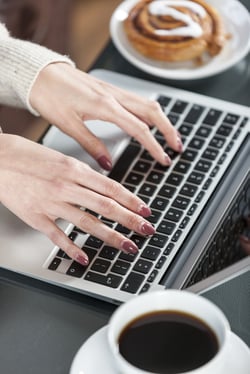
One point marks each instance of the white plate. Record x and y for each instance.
(94, 356)
(237, 22)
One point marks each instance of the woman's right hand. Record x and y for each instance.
(40, 185)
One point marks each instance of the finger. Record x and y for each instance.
(91, 143)
(59, 238)
(108, 208)
(150, 112)
(90, 224)
(137, 129)
(91, 184)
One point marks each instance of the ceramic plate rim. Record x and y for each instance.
(215, 66)
(76, 367)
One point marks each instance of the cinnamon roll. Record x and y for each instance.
(175, 30)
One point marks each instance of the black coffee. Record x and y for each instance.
(168, 342)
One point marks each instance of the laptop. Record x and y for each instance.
(198, 203)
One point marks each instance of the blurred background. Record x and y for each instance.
(77, 28)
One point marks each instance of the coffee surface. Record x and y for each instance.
(167, 342)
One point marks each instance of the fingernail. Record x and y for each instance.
(129, 246)
(82, 260)
(144, 210)
(168, 159)
(147, 228)
(105, 163)
(179, 143)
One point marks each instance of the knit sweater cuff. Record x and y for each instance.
(21, 62)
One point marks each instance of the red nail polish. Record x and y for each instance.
(168, 159)
(147, 228)
(144, 211)
(105, 163)
(129, 246)
(82, 260)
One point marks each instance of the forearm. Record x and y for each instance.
(20, 63)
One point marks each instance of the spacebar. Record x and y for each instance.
(124, 162)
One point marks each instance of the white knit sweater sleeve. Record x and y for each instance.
(20, 63)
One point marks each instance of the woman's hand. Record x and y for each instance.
(41, 185)
(67, 97)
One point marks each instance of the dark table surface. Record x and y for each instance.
(43, 326)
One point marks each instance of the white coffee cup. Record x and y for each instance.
(176, 301)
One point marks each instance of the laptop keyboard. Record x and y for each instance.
(176, 195)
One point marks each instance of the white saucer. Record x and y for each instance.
(237, 22)
(94, 356)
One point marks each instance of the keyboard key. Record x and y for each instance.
(159, 203)
(120, 267)
(54, 264)
(182, 167)
(122, 229)
(147, 189)
(203, 131)
(203, 165)
(93, 242)
(166, 227)
(189, 155)
(100, 265)
(212, 117)
(142, 166)
(176, 235)
(188, 190)
(210, 153)
(76, 270)
(200, 196)
(154, 217)
(231, 119)
(108, 252)
(124, 162)
(138, 240)
(184, 222)
(150, 253)
(192, 209)
(194, 114)
(181, 202)
(155, 177)
(110, 280)
(174, 179)
(173, 118)
(196, 177)
(62, 254)
(196, 143)
(174, 215)
(153, 275)
(185, 129)
(143, 266)
(160, 262)
(158, 240)
(145, 288)
(217, 142)
(167, 191)
(163, 100)
(179, 106)
(133, 282)
(207, 184)
(130, 257)
(224, 130)
(134, 178)
(169, 249)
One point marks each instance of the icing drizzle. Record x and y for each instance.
(164, 8)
